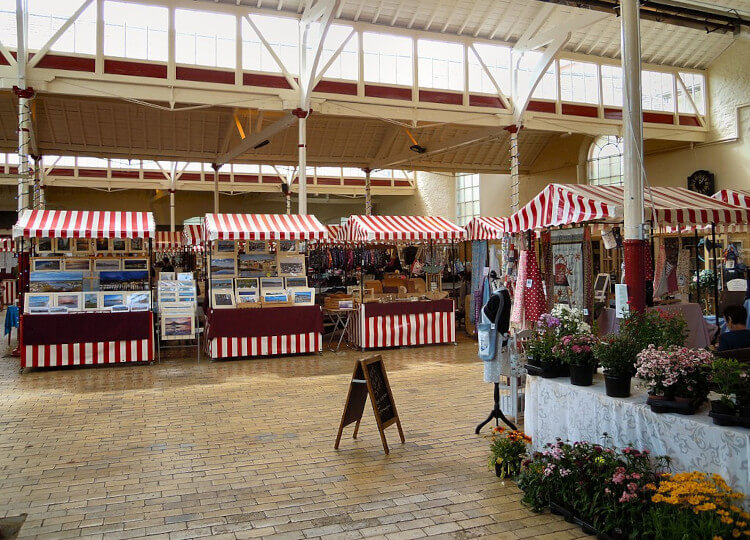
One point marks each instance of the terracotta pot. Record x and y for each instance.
(657, 397)
(617, 385)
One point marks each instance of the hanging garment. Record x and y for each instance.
(683, 272)
(660, 272)
(529, 302)
(493, 334)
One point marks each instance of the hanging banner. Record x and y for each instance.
(567, 268)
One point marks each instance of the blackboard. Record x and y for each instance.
(370, 378)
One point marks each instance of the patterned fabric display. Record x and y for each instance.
(529, 302)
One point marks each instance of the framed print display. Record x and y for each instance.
(287, 246)
(106, 264)
(222, 266)
(291, 265)
(256, 264)
(246, 283)
(271, 283)
(167, 297)
(225, 246)
(38, 301)
(58, 309)
(135, 264)
(303, 297)
(63, 245)
(118, 245)
(44, 282)
(247, 295)
(137, 244)
(110, 299)
(185, 276)
(44, 265)
(275, 296)
(167, 276)
(44, 245)
(222, 299)
(70, 301)
(296, 282)
(124, 280)
(38, 310)
(83, 265)
(101, 245)
(222, 284)
(168, 285)
(139, 301)
(90, 301)
(252, 246)
(82, 245)
(119, 308)
(177, 325)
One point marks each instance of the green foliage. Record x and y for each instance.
(617, 355)
(654, 327)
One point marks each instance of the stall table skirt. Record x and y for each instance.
(9, 292)
(403, 324)
(43, 353)
(556, 408)
(238, 333)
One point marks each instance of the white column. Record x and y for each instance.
(368, 193)
(172, 184)
(514, 164)
(24, 107)
(216, 187)
(302, 175)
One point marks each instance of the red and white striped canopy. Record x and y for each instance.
(192, 235)
(332, 235)
(399, 228)
(168, 241)
(84, 224)
(737, 197)
(7, 244)
(567, 204)
(263, 227)
(486, 228)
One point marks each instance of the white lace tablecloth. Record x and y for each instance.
(556, 408)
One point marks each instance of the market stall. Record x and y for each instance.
(258, 296)
(87, 299)
(555, 408)
(419, 317)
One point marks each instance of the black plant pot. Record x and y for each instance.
(533, 361)
(745, 411)
(550, 370)
(564, 370)
(617, 385)
(717, 406)
(581, 375)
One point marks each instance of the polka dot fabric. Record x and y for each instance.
(530, 302)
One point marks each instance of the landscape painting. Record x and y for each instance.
(125, 280)
(106, 264)
(41, 265)
(256, 264)
(43, 245)
(55, 282)
(78, 264)
(38, 301)
(222, 267)
(109, 300)
(90, 300)
(70, 301)
(177, 326)
(135, 264)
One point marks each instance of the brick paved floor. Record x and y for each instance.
(245, 449)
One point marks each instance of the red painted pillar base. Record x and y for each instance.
(635, 273)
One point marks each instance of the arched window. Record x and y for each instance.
(605, 161)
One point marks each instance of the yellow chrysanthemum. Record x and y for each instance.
(727, 520)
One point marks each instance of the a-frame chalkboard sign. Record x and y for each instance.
(370, 378)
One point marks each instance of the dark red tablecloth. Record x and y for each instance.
(378, 309)
(278, 321)
(49, 329)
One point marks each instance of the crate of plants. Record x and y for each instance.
(730, 383)
(677, 378)
(550, 329)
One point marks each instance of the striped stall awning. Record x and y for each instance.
(568, 204)
(737, 197)
(399, 228)
(84, 224)
(7, 244)
(486, 228)
(192, 235)
(168, 241)
(263, 227)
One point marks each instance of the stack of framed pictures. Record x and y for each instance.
(228, 292)
(95, 301)
(177, 305)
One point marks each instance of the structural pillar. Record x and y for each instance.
(632, 134)
(172, 183)
(368, 192)
(302, 114)
(215, 167)
(514, 165)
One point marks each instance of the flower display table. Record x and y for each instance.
(555, 408)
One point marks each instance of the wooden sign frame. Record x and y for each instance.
(365, 383)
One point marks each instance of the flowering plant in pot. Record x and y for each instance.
(727, 381)
(577, 351)
(654, 327)
(571, 320)
(693, 374)
(675, 371)
(617, 355)
(539, 348)
(507, 450)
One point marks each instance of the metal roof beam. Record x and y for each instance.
(252, 141)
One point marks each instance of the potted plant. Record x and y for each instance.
(654, 327)
(617, 356)
(507, 450)
(577, 351)
(693, 374)
(743, 395)
(726, 380)
(539, 348)
(675, 371)
(654, 366)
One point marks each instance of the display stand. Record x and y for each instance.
(496, 414)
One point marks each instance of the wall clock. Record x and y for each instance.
(701, 182)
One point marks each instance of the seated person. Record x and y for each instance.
(737, 336)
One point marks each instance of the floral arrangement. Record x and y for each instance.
(654, 327)
(617, 355)
(675, 371)
(571, 320)
(577, 350)
(696, 505)
(507, 449)
(540, 346)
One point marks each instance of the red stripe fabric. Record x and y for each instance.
(84, 224)
(486, 228)
(400, 228)
(77, 354)
(235, 347)
(263, 227)
(168, 241)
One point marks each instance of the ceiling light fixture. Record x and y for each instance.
(415, 147)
